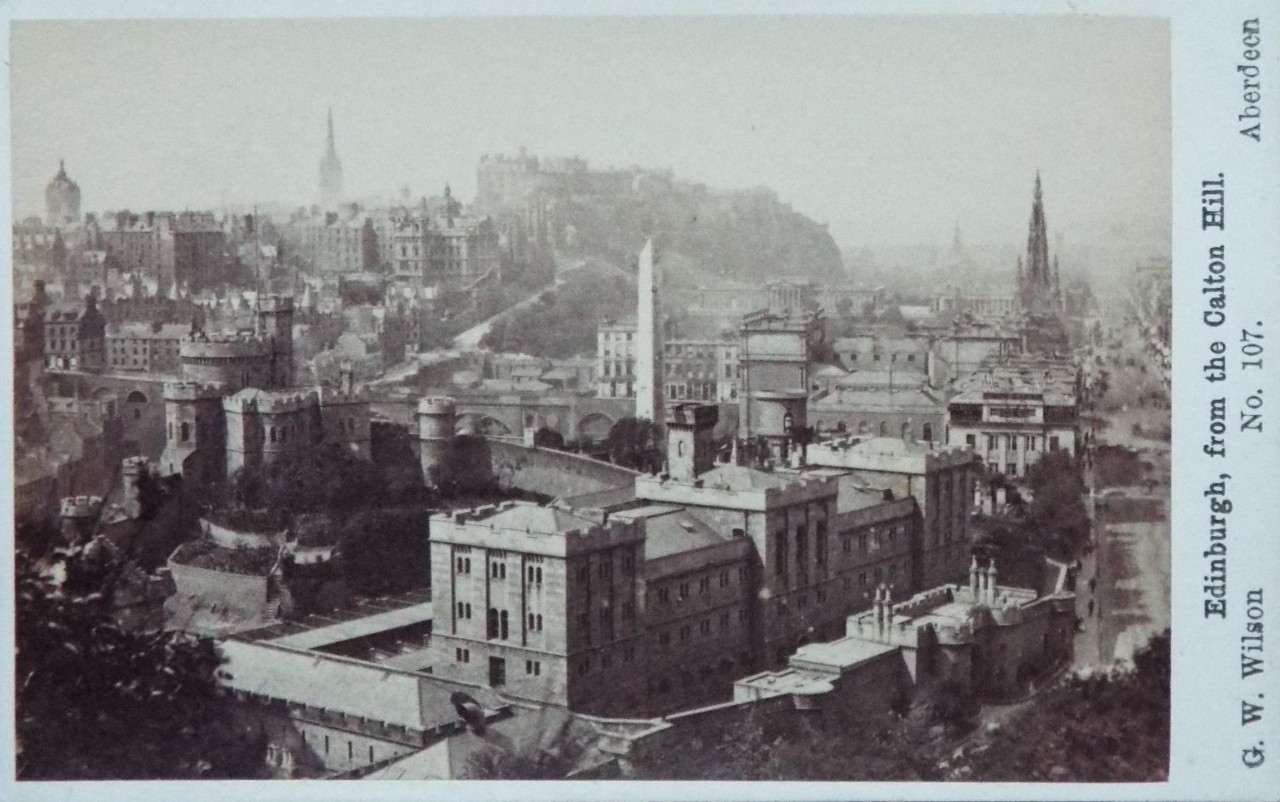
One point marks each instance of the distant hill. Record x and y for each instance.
(746, 236)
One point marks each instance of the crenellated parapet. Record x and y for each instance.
(247, 402)
(192, 391)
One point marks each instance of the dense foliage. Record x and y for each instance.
(635, 443)
(96, 702)
(1113, 727)
(562, 322)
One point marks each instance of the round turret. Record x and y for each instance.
(437, 419)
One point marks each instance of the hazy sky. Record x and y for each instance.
(889, 129)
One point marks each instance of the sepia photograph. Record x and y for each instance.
(592, 398)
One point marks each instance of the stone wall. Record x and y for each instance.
(554, 473)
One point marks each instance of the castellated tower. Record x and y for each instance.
(275, 326)
(263, 427)
(437, 419)
(195, 432)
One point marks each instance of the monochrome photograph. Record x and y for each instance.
(592, 398)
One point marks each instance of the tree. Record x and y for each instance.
(1111, 727)
(548, 438)
(385, 551)
(97, 702)
(1057, 515)
(635, 443)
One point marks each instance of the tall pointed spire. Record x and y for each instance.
(330, 171)
(1037, 282)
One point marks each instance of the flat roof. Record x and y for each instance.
(790, 680)
(355, 628)
(844, 653)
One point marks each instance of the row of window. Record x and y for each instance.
(1012, 441)
(685, 631)
(853, 357)
(606, 660)
(723, 579)
(905, 430)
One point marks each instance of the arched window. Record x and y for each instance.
(272, 433)
(884, 429)
(906, 431)
(492, 623)
(503, 625)
(863, 427)
(927, 432)
(186, 432)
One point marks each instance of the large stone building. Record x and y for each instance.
(334, 245)
(445, 249)
(1013, 411)
(146, 347)
(62, 200)
(941, 482)
(694, 369)
(663, 595)
(182, 252)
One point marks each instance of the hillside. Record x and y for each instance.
(742, 235)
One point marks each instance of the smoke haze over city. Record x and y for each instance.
(891, 130)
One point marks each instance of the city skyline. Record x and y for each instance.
(896, 172)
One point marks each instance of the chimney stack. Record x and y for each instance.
(973, 578)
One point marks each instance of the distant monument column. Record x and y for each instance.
(649, 372)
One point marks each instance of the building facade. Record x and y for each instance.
(75, 338)
(144, 347)
(1014, 411)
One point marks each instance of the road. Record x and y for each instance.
(1122, 594)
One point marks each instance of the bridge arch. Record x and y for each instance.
(595, 427)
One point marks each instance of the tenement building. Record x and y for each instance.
(695, 369)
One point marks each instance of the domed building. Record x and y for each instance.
(62, 199)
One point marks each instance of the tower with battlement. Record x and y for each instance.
(195, 431)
